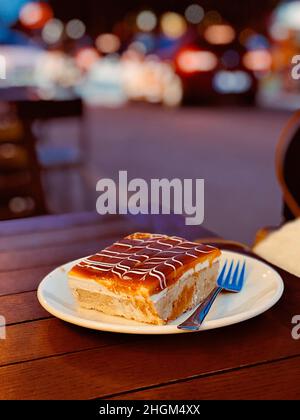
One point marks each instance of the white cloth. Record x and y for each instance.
(282, 247)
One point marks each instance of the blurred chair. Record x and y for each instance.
(287, 162)
(42, 111)
(288, 167)
(62, 158)
(21, 192)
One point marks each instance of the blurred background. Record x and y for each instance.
(185, 89)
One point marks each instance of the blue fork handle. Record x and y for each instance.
(194, 322)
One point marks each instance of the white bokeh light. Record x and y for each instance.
(75, 29)
(288, 15)
(146, 21)
(194, 13)
(52, 31)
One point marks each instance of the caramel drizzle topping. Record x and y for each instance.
(141, 258)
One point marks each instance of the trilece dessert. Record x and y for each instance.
(146, 277)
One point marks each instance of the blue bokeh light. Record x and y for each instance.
(9, 11)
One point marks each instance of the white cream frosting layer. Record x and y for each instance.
(93, 286)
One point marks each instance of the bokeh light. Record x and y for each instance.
(226, 82)
(190, 61)
(257, 41)
(108, 43)
(288, 14)
(147, 39)
(194, 13)
(35, 15)
(146, 21)
(8, 151)
(75, 29)
(285, 21)
(279, 32)
(212, 18)
(151, 40)
(10, 10)
(259, 60)
(21, 204)
(137, 47)
(86, 58)
(173, 25)
(219, 34)
(52, 31)
(173, 92)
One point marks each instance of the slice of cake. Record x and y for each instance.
(146, 277)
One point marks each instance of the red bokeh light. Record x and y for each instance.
(35, 15)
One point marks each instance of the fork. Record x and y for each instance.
(229, 282)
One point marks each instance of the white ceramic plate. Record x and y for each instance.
(263, 288)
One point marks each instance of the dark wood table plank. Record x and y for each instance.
(51, 337)
(51, 255)
(64, 237)
(168, 224)
(48, 223)
(21, 307)
(46, 252)
(270, 381)
(18, 281)
(149, 361)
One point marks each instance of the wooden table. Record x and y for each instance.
(45, 358)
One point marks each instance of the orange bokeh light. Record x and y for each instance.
(191, 61)
(108, 43)
(86, 57)
(257, 60)
(35, 15)
(219, 34)
(173, 25)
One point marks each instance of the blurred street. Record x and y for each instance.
(232, 149)
(162, 90)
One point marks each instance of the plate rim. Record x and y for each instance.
(161, 329)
